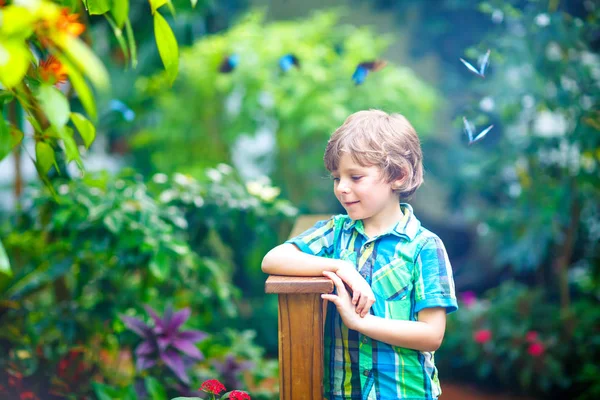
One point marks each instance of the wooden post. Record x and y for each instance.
(301, 318)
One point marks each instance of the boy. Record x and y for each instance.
(380, 339)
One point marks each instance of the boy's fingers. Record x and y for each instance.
(355, 297)
(331, 297)
(336, 281)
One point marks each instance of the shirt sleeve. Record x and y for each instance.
(434, 284)
(318, 240)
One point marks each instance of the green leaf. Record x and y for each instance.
(155, 389)
(55, 105)
(132, 45)
(167, 46)
(113, 222)
(160, 265)
(194, 2)
(85, 60)
(86, 129)
(6, 97)
(120, 39)
(7, 142)
(4, 261)
(14, 61)
(104, 392)
(44, 156)
(84, 92)
(156, 4)
(97, 7)
(120, 11)
(71, 150)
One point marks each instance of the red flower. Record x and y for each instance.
(469, 298)
(536, 349)
(239, 395)
(27, 396)
(482, 336)
(69, 23)
(531, 336)
(51, 70)
(212, 386)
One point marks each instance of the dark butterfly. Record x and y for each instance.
(363, 69)
(482, 65)
(288, 61)
(469, 129)
(229, 63)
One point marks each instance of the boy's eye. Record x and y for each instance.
(356, 178)
(335, 178)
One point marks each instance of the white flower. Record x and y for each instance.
(167, 196)
(160, 178)
(214, 175)
(254, 188)
(553, 51)
(63, 189)
(487, 104)
(224, 169)
(182, 179)
(269, 194)
(542, 20)
(549, 124)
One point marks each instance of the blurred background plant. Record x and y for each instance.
(199, 150)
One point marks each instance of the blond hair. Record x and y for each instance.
(376, 138)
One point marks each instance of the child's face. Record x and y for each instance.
(364, 193)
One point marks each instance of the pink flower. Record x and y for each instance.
(239, 395)
(531, 336)
(212, 386)
(468, 297)
(482, 336)
(536, 349)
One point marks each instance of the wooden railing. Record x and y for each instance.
(301, 318)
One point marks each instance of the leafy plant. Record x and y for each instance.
(165, 342)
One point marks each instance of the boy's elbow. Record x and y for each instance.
(268, 264)
(436, 342)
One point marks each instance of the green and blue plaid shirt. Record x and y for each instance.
(408, 270)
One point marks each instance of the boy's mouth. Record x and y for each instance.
(350, 203)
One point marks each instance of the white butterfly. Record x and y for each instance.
(482, 65)
(469, 128)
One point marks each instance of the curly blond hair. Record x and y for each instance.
(376, 138)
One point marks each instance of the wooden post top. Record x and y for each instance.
(298, 284)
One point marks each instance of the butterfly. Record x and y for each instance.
(229, 63)
(482, 65)
(362, 70)
(288, 61)
(469, 128)
(118, 106)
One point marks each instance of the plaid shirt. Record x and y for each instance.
(408, 270)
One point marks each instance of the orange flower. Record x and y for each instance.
(51, 70)
(69, 23)
(2, 3)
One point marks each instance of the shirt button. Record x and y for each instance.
(366, 372)
(365, 339)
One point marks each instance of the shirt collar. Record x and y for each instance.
(407, 227)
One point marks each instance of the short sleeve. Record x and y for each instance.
(318, 240)
(434, 283)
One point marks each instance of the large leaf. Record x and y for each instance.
(85, 60)
(120, 38)
(167, 46)
(155, 389)
(14, 61)
(71, 150)
(97, 7)
(4, 261)
(120, 11)
(44, 156)
(55, 105)
(160, 265)
(86, 129)
(81, 87)
(156, 4)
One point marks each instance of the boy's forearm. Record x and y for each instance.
(416, 335)
(287, 259)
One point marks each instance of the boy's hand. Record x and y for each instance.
(342, 301)
(362, 295)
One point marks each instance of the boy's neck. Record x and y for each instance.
(383, 223)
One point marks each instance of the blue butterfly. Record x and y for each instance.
(482, 65)
(119, 106)
(229, 63)
(469, 128)
(363, 69)
(288, 61)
